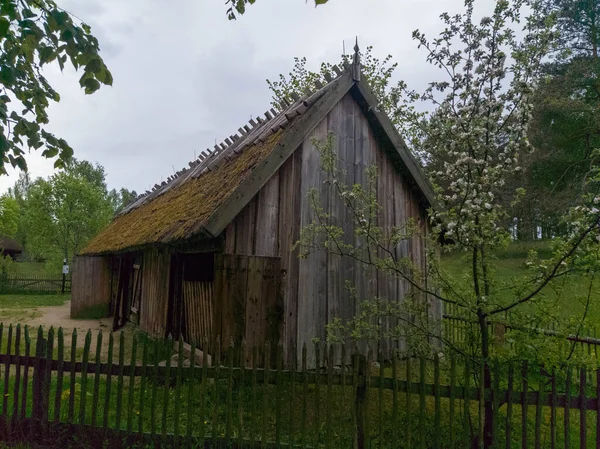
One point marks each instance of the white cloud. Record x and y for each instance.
(184, 75)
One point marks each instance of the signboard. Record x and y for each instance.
(65, 269)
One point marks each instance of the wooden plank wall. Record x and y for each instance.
(91, 287)
(250, 302)
(314, 288)
(155, 291)
(198, 301)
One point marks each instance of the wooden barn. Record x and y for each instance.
(208, 253)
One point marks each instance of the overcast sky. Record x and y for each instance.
(184, 75)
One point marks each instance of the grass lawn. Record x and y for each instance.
(565, 297)
(32, 301)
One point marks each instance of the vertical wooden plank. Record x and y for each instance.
(567, 414)
(265, 404)
(329, 398)
(229, 397)
(509, 405)
(84, 372)
(25, 373)
(553, 401)
(582, 409)
(312, 287)
(267, 219)
(17, 382)
(495, 402)
(255, 363)
(395, 400)
(452, 405)
(96, 393)
(303, 431)
(107, 392)
(131, 392)
(437, 410)
(422, 428)
(466, 403)
(278, 396)
(59, 374)
(317, 396)
(241, 394)
(7, 372)
(72, 378)
(178, 381)
(166, 389)
(538, 417)
(119, 410)
(525, 384)
(408, 400)
(190, 395)
(217, 367)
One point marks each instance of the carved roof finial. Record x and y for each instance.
(356, 62)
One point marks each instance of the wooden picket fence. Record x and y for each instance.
(34, 283)
(117, 392)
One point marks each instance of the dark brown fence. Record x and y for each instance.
(34, 283)
(127, 389)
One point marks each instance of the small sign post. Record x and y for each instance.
(65, 271)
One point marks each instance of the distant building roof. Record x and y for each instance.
(10, 245)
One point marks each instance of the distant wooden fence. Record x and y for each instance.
(53, 388)
(34, 283)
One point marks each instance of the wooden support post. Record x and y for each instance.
(359, 363)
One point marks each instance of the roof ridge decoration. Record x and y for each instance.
(249, 134)
(356, 62)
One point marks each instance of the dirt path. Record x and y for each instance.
(59, 316)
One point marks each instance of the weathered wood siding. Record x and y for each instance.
(249, 305)
(91, 285)
(155, 291)
(314, 288)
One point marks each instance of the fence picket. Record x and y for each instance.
(394, 400)
(466, 404)
(293, 366)
(72, 377)
(254, 427)
(217, 366)
(203, 390)
(111, 343)
(317, 398)
(304, 398)
(228, 417)
(167, 388)
(240, 419)
(59, 374)
(190, 395)
(422, 428)
(265, 408)
(84, 370)
(7, 373)
(567, 414)
(143, 384)
(278, 394)
(329, 393)
(25, 373)
(119, 410)
(509, 404)
(408, 400)
(133, 362)
(178, 390)
(380, 396)
(96, 393)
(582, 409)
(553, 411)
(154, 389)
(524, 375)
(538, 417)
(17, 383)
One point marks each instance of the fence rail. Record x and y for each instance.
(34, 283)
(130, 389)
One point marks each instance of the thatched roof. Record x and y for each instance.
(202, 199)
(9, 245)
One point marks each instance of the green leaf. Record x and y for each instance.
(104, 76)
(91, 85)
(47, 54)
(320, 2)
(4, 27)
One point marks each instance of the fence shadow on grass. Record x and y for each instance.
(126, 390)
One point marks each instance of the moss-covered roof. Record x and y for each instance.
(177, 209)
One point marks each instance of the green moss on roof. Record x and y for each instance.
(180, 212)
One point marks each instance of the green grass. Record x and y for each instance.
(565, 297)
(32, 301)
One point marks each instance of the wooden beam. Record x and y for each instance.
(292, 139)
